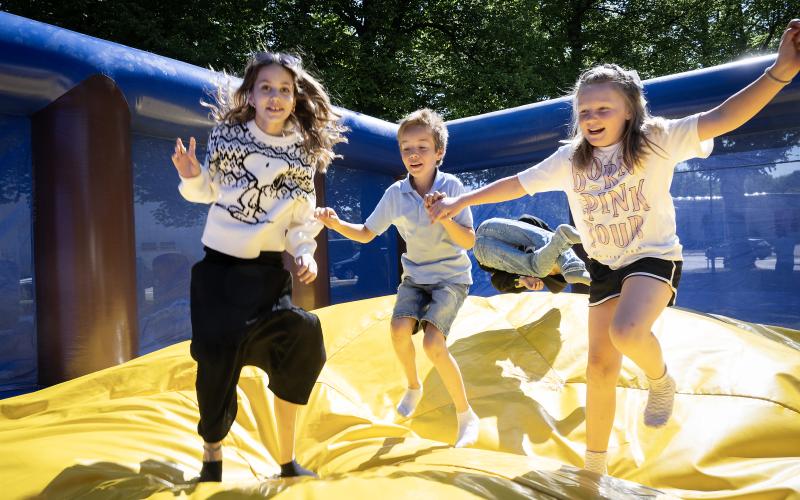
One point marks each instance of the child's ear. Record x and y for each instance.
(439, 154)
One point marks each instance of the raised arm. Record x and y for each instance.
(498, 191)
(743, 105)
(355, 232)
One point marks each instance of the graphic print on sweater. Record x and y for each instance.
(263, 174)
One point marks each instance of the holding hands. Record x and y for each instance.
(327, 216)
(185, 161)
(443, 207)
(430, 199)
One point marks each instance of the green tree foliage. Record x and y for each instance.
(462, 57)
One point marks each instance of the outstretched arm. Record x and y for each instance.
(355, 232)
(462, 236)
(743, 105)
(504, 189)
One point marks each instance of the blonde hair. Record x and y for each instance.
(313, 116)
(433, 121)
(635, 143)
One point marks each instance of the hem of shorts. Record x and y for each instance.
(420, 321)
(435, 325)
(649, 275)
(290, 398)
(604, 299)
(657, 277)
(405, 315)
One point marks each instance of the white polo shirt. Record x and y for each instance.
(431, 254)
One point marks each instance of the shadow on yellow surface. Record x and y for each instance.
(129, 431)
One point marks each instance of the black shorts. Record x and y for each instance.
(607, 282)
(242, 314)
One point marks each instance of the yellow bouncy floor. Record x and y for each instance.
(129, 431)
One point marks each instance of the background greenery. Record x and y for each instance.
(461, 57)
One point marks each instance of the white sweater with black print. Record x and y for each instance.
(261, 191)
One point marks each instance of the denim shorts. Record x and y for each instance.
(436, 304)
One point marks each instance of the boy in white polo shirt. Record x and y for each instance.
(436, 268)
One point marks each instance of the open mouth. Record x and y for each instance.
(596, 131)
(415, 165)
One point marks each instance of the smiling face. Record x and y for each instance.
(602, 113)
(418, 149)
(273, 98)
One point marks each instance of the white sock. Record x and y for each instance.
(660, 398)
(468, 427)
(596, 461)
(409, 402)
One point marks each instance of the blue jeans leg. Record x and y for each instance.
(500, 244)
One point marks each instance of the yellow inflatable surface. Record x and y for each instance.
(130, 431)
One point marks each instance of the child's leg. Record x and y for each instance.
(436, 349)
(602, 372)
(446, 300)
(407, 308)
(502, 243)
(641, 301)
(402, 330)
(289, 347)
(285, 419)
(435, 346)
(218, 371)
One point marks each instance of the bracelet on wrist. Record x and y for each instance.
(774, 78)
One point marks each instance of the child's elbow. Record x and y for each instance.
(469, 242)
(366, 235)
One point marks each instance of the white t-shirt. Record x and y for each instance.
(623, 215)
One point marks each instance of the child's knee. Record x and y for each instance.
(489, 227)
(402, 328)
(601, 369)
(624, 332)
(434, 343)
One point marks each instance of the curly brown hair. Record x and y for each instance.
(313, 116)
(635, 143)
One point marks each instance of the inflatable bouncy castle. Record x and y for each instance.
(96, 248)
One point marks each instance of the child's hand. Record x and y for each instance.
(185, 161)
(327, 216)
(432, 198)
(305, 268)
(444, 209)
(530, 283)
(788, 62)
